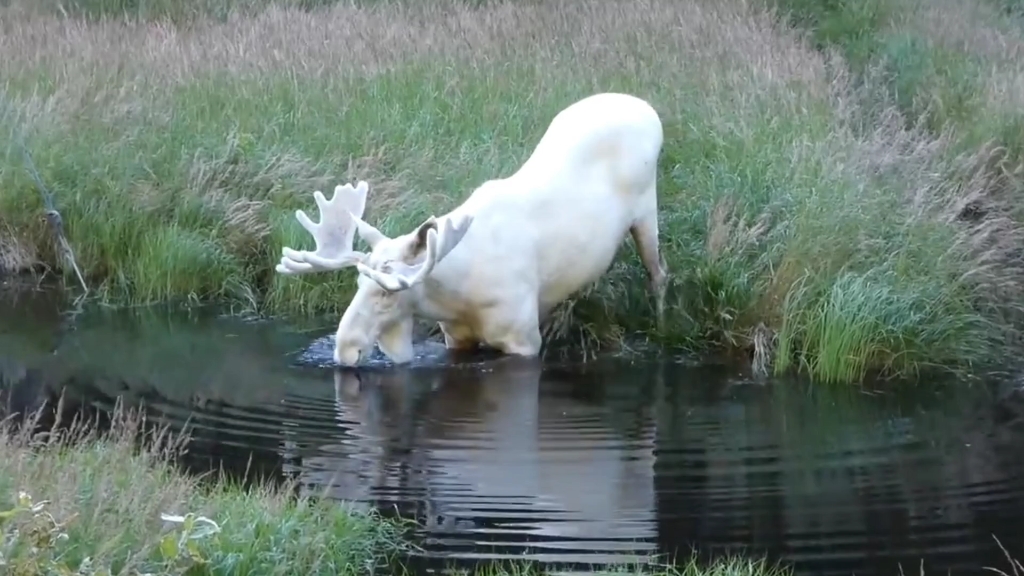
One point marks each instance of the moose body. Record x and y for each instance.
(492, 269)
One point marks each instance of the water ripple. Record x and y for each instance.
(606, 462)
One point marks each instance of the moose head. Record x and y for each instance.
(390, 275)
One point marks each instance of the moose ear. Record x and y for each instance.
(420, 238)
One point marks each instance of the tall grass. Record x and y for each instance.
(810, 215)
(950, 65)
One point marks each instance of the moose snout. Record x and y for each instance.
(347, 355)
(349, 351)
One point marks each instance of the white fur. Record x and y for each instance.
(493, 268)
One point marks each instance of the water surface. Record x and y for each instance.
(612, 461)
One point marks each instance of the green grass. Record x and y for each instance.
(811, 205)
(102, 500)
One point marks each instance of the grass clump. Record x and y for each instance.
(723, 566)
(811, 217)
(77, 502)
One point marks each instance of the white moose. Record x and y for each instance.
(491, 270)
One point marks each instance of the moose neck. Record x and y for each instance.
(428, 306)
(440, 297)
(444, 295)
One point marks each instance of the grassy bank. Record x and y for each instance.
(954, 71)
(76, 502)
(97, 505)
(809, 219)
(950, 66)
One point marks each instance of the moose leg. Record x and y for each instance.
(458, 337)
(645, 235)
(514, 328)
(525, 343)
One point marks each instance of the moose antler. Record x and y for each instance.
(405, 276)
(340, 218)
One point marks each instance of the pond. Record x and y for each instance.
(613, 460)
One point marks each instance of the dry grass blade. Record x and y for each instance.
(1015, 564)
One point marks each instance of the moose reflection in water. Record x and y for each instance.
(482, 453)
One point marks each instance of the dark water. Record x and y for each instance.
(612, 461)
